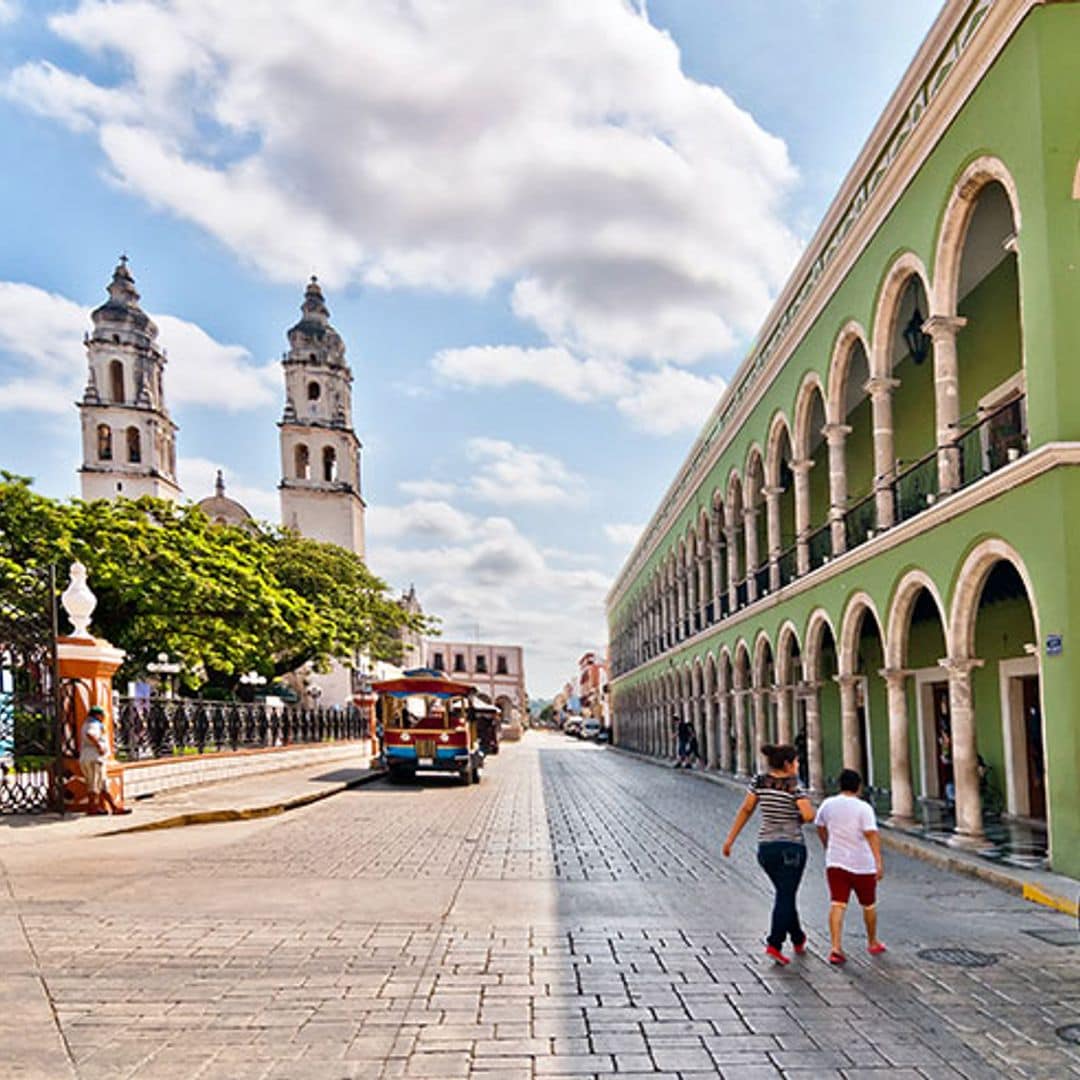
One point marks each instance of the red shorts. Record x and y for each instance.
(842, 882)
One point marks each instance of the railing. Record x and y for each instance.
(788, 563)
(710, 613)
(742, 595)
(995, 441)
(819, 546)
(725, 604)
(168, 727)
(761, 581)
(916, 487)
(859, 521)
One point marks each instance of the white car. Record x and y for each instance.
(591, 728)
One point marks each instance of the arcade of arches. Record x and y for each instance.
(936, 698)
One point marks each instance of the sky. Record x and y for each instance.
(547, 231)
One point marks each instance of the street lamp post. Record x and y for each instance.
(165, 669)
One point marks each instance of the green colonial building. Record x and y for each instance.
(873, 546)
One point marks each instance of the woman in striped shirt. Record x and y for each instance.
(785, 808)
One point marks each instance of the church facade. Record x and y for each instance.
(129, 439)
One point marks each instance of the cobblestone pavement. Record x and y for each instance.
(570, 917)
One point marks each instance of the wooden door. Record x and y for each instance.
(1033, 739)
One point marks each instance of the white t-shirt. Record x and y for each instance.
(848, 818)
(92, 729)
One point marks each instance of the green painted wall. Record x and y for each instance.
(1024, 113)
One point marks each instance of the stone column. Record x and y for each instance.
(717, 575)
(815, 752)
(849, 721)
(761, 719)
(943, 330)
(801, 471)
(691, 595)
(836, 437)
(784, 721)
(704, 567)
(965, 757)
(881, 392)
(680, 601)
(742, 743)
(903, 794)
(723, 735)
(733, 565)
(772, 526)
(711, 760)
(750, 514)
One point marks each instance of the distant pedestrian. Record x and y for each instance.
(694, 753)
(683, 733)
(785, 808)
(94, 763)
(848, 829)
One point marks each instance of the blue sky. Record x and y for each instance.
(547, 234)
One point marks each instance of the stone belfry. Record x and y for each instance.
(320, 453)
(129, 441)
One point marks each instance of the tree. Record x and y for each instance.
(220, 599)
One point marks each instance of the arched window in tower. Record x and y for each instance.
(104, 442)
(134, 446)
(116, 381)
(313, 391)
(302, 462)
(329, 464)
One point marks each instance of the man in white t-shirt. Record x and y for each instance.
(94, 763)
(848, 829)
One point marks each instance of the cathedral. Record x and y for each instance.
(129, 440)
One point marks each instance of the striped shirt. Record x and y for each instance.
(780, 817)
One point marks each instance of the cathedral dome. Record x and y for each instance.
(222, 510)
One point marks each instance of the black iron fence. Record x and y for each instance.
(916, 487)
(859, 521)
(789, 565)
(819, 546)
(171, 727)
(995, 441)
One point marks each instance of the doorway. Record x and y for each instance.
(939, 696)
(1033, 740)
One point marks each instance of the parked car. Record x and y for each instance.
(573, 726)
(590, 728)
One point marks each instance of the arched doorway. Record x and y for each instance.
(863, 702)
(852, 436)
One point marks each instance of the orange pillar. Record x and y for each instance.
(88, 665)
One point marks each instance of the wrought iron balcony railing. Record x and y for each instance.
(860, 521)
(819, 546)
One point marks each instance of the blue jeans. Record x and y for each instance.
(784, 862)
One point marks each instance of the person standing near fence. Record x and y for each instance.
(94, 763)
(785, 808)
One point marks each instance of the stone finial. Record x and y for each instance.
(79, 602)
(219, 485)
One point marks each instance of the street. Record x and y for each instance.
(571, 916)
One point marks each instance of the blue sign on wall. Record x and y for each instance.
(1053, 645)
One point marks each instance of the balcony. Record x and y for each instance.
(996, 439)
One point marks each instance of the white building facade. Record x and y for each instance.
(495, 670)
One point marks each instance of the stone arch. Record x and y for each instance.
(859, 605)
(764, 660)
(967, 591)
(955, 220)
(786, 654)
(891, 291)
(905, 593)
(817, 626)
(778, 429)
(851, 335)
(811, 389)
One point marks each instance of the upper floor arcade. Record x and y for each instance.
(922, 345)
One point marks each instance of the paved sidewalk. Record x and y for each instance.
(1039, 886)
(261, 795)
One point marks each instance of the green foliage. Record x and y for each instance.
(220, 599)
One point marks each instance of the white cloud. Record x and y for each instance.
(428, 489)
(9, 11)
(623, 534)
(43, 362)
(555, 147)
(484, 573)
(507, 474)
(198, 475)
(660, 401)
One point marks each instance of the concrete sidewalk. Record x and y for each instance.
(261, 795)
(1039, 886)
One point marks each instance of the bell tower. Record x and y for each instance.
(320, 453)
(129, 441)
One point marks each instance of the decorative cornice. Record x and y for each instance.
(960, 47)
(1030, 467)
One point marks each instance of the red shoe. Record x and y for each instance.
(777, 955)
(877, 950)
(800, 949)
(837, 958)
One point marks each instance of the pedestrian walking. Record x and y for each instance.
(683, 733)
(848, 828)
(785, 808)
(94, 763)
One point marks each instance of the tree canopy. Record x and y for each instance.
(220, 599)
